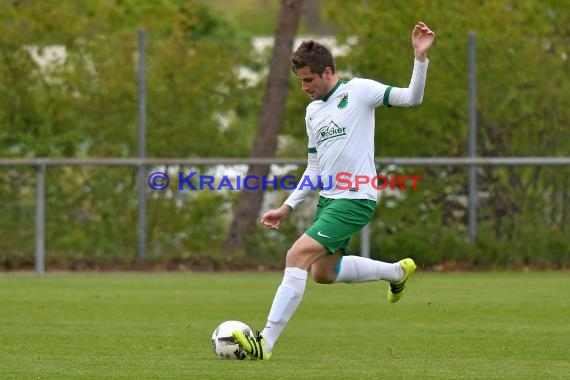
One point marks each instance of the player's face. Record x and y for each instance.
(315, 85)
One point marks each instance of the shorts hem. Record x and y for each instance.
(331, 247)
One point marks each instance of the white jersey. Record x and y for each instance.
(340, 128)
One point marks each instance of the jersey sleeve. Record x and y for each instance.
(412, 95)
(312, 172)
(377, 94)
(372, 92)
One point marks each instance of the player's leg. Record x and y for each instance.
(339, 221)
(353, 269)
(350, 269)
(304, 252)
(324, 271)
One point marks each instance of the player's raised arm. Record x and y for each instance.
(422, 39)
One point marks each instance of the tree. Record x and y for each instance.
(265, 143)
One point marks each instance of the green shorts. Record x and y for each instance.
(337, 220)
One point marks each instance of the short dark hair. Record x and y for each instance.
(313, 54)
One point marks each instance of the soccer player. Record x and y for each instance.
(340, 129)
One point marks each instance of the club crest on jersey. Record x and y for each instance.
(342, 101)
(330, 130)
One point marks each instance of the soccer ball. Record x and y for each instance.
(223, 342)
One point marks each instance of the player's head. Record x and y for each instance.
(314, 55)
(314, 65)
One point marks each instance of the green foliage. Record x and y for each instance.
(87, 103)
(524, 66)
(257, 16)
(260, 16)
(68, 88)
(17, 212)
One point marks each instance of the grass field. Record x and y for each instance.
(159, 325)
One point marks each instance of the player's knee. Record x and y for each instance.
(299, 259)
(295, 259)
(322, 278)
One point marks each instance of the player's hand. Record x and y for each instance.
(272, 218)
(422, 39)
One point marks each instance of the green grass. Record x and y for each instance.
(146, 326)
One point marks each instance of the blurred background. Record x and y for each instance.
(81, 80)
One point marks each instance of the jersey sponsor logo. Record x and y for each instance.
(342, 101)
(329, 131)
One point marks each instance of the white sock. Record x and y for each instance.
(362, 269)
(286, 300)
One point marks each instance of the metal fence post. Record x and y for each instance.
(141, 214)
(40, 218)
(365, 241)
(472, 138)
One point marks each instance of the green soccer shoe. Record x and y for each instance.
(254, 346)
(396, 290)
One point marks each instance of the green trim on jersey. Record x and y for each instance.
(387, 97)
(312, 150)
(333, 90)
